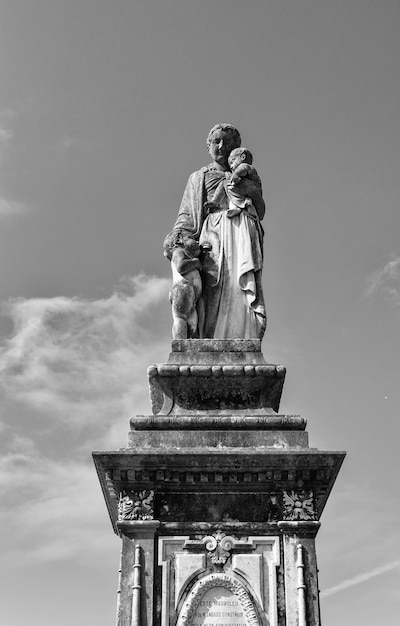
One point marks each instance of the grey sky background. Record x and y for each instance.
(104, 112)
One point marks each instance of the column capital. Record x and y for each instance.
(138, 529)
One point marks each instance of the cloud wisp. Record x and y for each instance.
(78, 367)
(80, 359)
(8, 207)
(361, 578)
(386, 280)
(51, 511)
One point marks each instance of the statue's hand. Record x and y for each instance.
(205, 246)
(210, 207)
(234, 180)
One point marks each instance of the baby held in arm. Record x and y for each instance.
(240, 186)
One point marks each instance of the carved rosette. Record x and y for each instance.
(219, 547)
(298, 506)
(137, 505)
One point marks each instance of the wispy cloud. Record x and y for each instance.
(54, 509)
(386, 280)
(8, 207)
(5, 136)
(11, 207)
(80, 359)
(79, 368)
(361, 578)
(69, 143)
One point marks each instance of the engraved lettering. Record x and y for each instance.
(218, 600)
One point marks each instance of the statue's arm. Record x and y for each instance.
(247, 175)
(254, 190)
(259, 204)
(190, 216)
(183, 263)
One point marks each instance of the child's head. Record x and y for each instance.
(181, 239)
(238, 156)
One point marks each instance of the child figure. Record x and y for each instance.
(183, 251)
(232, 194)
(244, 179)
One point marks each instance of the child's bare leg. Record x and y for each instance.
(179, 329)
(192, 332)
(182, 299)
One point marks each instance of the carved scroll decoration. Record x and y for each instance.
(219, 547)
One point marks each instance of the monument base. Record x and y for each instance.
(217, 508)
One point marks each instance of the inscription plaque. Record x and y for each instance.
(218, 600)
(219, 607)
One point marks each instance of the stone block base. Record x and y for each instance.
(217, 497)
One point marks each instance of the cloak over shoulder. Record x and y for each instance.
(191, 213)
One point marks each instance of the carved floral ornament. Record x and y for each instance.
(137, 505)
(298, 506)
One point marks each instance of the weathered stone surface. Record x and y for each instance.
(189, 439)
(222, 210)
(221, 376)
(216, 422)
(225, 492)
(292, 539)
(184, 251)
(235, 579)
(141, 534)
(196, 495)
(195, 477)
(230, 347)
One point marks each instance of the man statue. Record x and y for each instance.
(231, 303)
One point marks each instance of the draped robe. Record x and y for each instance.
(232, 302)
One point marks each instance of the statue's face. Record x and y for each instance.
(220, 146)
(234, 161)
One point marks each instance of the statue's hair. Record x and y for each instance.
(238, 151)
(176, 239)
(227, 128)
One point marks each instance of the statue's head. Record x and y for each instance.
(181, 239)
(238, 156)
(221, 140)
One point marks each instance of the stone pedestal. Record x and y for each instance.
(217, 497)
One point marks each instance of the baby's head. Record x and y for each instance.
(181, 239)
(238, 156)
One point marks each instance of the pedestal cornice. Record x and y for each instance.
(267, 485)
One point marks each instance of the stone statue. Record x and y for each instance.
(183, 251)
(222, 211)
(243, 182)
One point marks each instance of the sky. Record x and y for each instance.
(105, 109)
